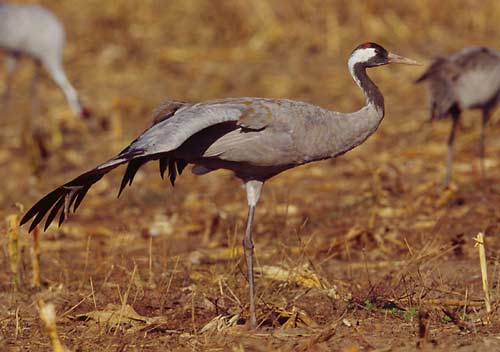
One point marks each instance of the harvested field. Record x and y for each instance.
(366, 252)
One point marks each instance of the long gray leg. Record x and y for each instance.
(451, 147)
(10, 66)
(486, 117)
(253, 189)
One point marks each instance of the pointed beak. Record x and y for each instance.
(397, 59)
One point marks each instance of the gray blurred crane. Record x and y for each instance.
(256, 138)
(36, 32)
(467, 79)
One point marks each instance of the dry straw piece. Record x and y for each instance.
(13, 235)
(48, 316)
(484, 272)
(35, 258)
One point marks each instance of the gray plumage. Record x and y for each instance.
(35, 32)
(256, 138)
(467, 79)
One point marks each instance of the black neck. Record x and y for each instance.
(372, 93)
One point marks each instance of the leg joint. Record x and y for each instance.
(248, 245)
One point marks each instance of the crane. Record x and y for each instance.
(467, 79)
(34, 31)
(256, 138)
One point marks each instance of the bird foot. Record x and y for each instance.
(251, 325)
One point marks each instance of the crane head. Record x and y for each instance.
(372, 54)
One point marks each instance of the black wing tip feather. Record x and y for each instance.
(181, 165)
(53, 213)
(51, 204)
(42, 207)
(163, 167)
(57, 201)
(174, 166)
(172, 172)
(132, 168)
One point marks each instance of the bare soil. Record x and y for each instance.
(363, 253)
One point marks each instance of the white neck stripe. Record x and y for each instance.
(360, 55)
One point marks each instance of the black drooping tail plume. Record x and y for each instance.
(72, 193)
(69, 194)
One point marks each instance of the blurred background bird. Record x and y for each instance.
(34, 31)
(467, 79)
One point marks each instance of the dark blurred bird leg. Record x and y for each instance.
(451, 147)
(35, 105)
(253, 189)
(40, 150)
(486, 117)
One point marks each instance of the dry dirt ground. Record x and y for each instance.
(363, 253)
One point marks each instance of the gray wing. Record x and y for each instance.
(440, 76)
(174, 126)
(170, 133)
(166, 110)
(263, 137)
(472, 58)
(251, 147)
(478, 84)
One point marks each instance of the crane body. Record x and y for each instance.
(256, 138)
